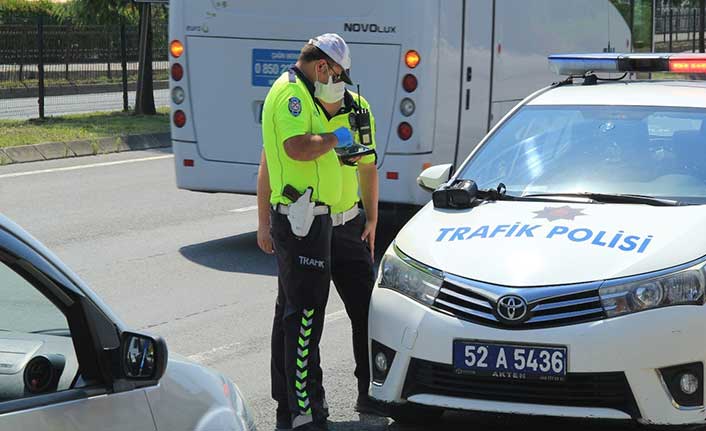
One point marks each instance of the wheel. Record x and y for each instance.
(415, 414)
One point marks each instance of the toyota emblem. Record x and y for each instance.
(512, 308)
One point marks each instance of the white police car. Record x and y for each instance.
(561, 270)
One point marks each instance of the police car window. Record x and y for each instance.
(651, 151)
(663, 125)
(37, 354)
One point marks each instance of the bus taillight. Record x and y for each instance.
(179, 118)
(176, 48)
(177, 72)
(412, 59)
(409, 83)
(404, 131)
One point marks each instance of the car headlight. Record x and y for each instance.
(684, 287)
(403, 274)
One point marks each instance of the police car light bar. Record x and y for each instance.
(580, 64)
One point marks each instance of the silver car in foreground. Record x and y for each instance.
(68, 363)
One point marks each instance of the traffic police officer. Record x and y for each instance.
(305, 177)
(353, 239)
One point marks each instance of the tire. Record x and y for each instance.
(415, 414)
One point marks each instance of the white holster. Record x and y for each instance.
(301, 213)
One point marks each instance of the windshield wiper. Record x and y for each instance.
(614, 198)
(466, 194)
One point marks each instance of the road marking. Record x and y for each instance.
(202, 357)
(243, 210)
(93, 165)
(207, 355)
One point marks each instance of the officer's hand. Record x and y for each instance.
(264, 240)
(369, 235)
(345, 138)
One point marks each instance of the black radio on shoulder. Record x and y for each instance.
(460, 194)
(359, 118)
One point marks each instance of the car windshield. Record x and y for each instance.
(652, 151)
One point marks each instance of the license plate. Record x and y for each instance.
(510, 361)
(269, 64)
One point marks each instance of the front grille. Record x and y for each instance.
(596, 390)
(465, 300)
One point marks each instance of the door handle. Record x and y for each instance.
(469, 76)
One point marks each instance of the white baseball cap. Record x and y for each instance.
(335, 47)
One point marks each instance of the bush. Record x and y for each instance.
(13, 9)
(24, 7)
(75, 11)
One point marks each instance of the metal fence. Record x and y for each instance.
(677, 30)
(683, 20)
(85, 68)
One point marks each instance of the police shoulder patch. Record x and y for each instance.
(295, 106)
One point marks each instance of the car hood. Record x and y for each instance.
(191, 396)
(548, 243)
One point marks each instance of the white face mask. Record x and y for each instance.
(330, 92)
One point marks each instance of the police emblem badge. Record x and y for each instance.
(295, 106)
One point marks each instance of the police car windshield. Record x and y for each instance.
(648, 151)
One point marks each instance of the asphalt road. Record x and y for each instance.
(25, 108)
(186, 266)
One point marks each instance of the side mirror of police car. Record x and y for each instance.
(143, 357)
(433, 177)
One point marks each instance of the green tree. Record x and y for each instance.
(117, 12)
(25, 8)
(638, 16)
(102, 11)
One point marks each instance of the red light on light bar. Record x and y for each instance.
(688, 65)
(393, 175)
(189, 163)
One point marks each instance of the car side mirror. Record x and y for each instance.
(143, 357)
(433, 177)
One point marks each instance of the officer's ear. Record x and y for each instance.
(321, 66)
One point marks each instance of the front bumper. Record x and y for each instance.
(631, 348)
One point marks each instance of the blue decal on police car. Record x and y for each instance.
(269, 64)
(615, 240)
(295, 106)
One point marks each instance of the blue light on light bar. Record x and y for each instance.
(579, 64)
